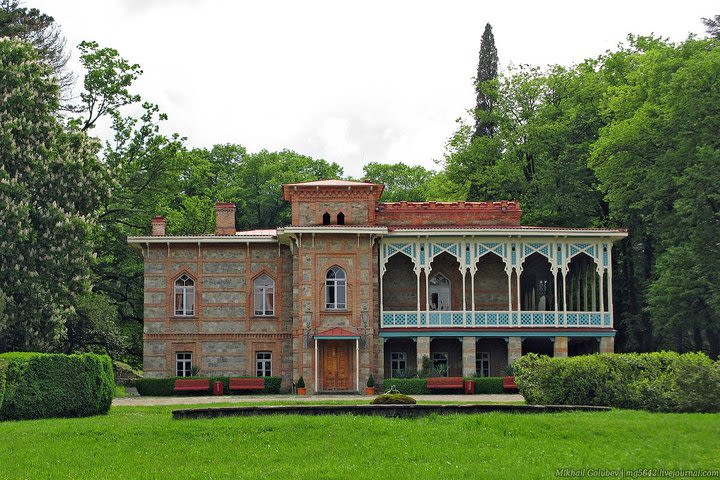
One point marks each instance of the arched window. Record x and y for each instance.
(184, 296)
(439, 292)
(264, 292)
(341, 218)
(326, 218)
(335, 289)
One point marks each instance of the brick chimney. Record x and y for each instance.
(158, 226)
(224, 219)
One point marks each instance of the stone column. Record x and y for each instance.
(560, 347)
(423, 349)
(514, 349)
(380, 361)
(468, 356)
(607, 344)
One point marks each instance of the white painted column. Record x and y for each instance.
(316, 366)
(565, 294)
(464, 272)
(427, 289)
(519, 296)
(602, 290)
(555, 289)
(472, 297)
(610, 295)
(417, 275)
(509, 275)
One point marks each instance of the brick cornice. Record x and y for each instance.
(216, 336)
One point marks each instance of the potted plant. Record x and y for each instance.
(301, 390)
(370, 386)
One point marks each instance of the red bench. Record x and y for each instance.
(509, 383)
(247, 383)
(192, 385)
(446, 383)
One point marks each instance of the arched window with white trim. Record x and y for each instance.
(335, 289)
(184, 296)
(264, 295)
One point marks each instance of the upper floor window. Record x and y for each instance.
(335, 289)
(326, 218)
(264, 291)
(341, 218)
(184, 296)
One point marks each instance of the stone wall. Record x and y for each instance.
(224, 334)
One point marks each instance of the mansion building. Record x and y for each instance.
(355, 287)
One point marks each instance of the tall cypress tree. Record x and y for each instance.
(484, 147)
(485, 87)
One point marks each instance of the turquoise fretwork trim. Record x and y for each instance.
(502, 333)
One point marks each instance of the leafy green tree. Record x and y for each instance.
(402, 182)
(712, 26)
(51, 185)
(258, 180)
(657, 159)
(31, 25)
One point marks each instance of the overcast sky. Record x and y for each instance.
(350, 82)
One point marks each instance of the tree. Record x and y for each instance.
(485, 85)
(51, 184)
(40, 30)
(712, 26)
(402, 182)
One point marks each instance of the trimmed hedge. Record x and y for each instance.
(41, 385)
(163, 387)
(3, 368)
(408, 386)
(659, 381)
(418, 386)
(488, 385)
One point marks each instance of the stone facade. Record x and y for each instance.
(333, 345)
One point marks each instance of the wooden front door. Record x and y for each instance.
(336, 365)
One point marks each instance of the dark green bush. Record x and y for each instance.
(408, 386)
(301, 382)
(163, 387)
(40, 385)
(393, 399)
(2, 383)
(659, 381)
(488, 384)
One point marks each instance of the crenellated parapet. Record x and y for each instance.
(426, 214)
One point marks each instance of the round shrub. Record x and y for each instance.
(393, 399)
(40, 385)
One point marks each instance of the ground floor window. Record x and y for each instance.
(482, 364)
(183, 364)
(263, 364)
(398, 363)
(440, 363)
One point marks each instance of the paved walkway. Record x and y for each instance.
(150, 401)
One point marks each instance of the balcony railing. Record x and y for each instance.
(460, 319)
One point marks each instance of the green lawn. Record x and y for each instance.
(144, 442)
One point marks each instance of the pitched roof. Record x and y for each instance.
(337, 332)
